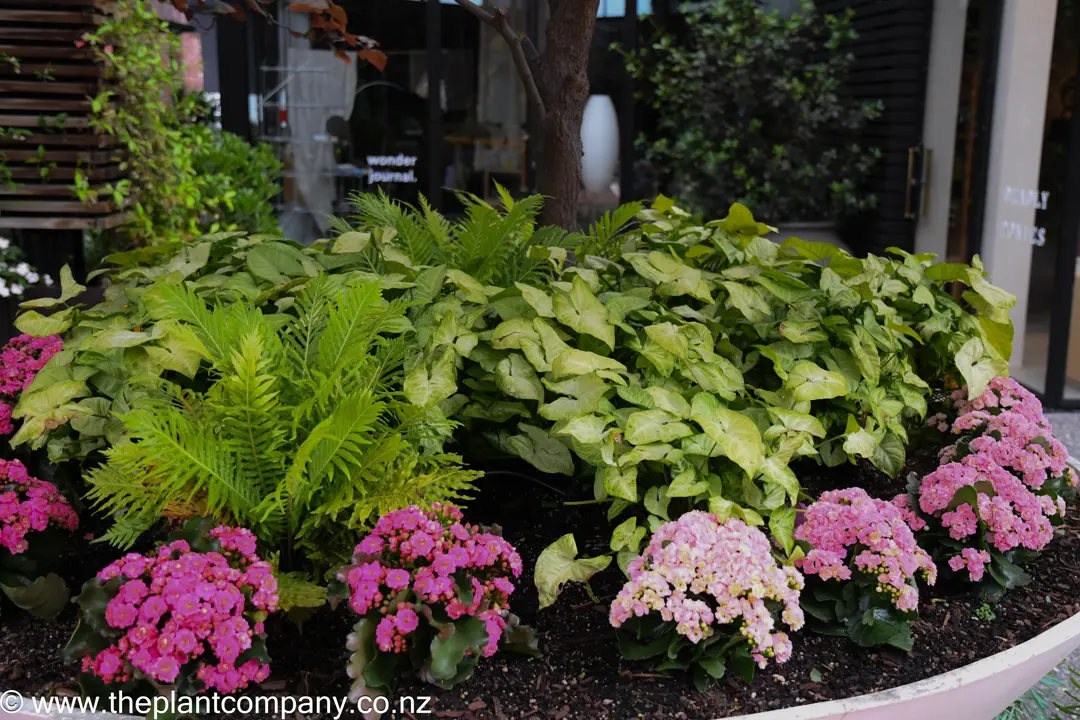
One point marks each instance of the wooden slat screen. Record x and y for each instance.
(46, 83)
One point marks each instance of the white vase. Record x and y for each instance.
(600, 143)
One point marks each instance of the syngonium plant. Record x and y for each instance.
(690, 368)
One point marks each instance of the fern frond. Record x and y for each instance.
(441, 485)
(349, 325)
(247, 401)
(122, 490)
(413, 236)
(604, 234)
(335, 445)
(187, 458)
(303, 332)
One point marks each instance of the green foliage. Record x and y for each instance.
(691, 368)
(490, 245)
(184, 179)
(25, 578)
(751, 107)
(855, 610)
(298, 436)
(241, 179)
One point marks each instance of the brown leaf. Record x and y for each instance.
(375, 57)
(305, 7)
(341, 54)
(477, 705)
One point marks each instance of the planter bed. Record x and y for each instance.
(581, 674)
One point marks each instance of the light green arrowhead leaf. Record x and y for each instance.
(37, 325)
(424, 387)
(579, 309)
(540, 450)
(749, 301)
(579, 362)
(559, 564)
(736, 434)
(668, 337)
(664, 399)
(469, 287)
(654, 426)
(620, 482)
(776, 471)
(351, 242)
(627, 535)
(586, 429)
(69, 289)
(539, 300)
(686, 483)
(809, 381)
(860, 444)
(516, 377)
(798, 421)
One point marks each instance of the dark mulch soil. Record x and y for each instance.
(581, 674)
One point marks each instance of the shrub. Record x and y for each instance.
(185, 179)
(191, 614)
(432, 592)
(861, 562)
(705, 593)
(690, 368)
(21, 360)
(299, 435)
(751, 106)
(1002, 486)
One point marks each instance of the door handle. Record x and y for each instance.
(912, 184)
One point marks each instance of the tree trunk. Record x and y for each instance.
(563, 81)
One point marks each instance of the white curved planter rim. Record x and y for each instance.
(978, 691)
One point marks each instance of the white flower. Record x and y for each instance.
(4, 243)
(32, 278)
(22, 269)
(16, 289)
(48, 281)
(4, 289)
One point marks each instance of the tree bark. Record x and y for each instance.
(557, 85)
(564, 87)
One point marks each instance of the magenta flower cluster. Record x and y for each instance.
(20, 361)
(27, 505)
(1006, 453)
(703, 574)
(415, 561)
(178, 606)
(849, 532)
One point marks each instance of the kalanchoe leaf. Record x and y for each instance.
(46, 597)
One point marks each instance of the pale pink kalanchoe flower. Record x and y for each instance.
(730, 567)
(29, 505)
(1002, 394)
(178, 606)
(971, 559)
(849, 531)
(419, 552)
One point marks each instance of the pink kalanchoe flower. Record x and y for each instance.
(730, 566)
(180, 606)
(849, 531)
(20, 361)
(28, 505)
(417, 562)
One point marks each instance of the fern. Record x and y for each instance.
(490, 244)
(300, 434)
(604, 234)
